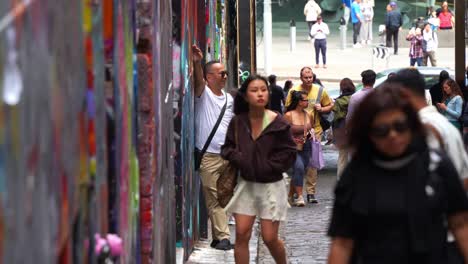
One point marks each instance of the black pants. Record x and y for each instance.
(392, 33)
(310, 24)
(356, 31)
(320, 45)
(454, 254)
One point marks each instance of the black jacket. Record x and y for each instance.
(264, 159)
(393, 20)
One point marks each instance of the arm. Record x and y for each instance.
(229, 150)
(314, 30)
(199, 81)
(340, 251)
(326, 103)
(326, 30)
(457, 110)
(284, 155)
(288, 98)
(459, 226)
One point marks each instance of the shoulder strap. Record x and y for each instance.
(319, 95)
(213, 131)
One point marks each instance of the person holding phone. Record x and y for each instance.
(320, 31)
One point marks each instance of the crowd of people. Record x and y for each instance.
(403, 170)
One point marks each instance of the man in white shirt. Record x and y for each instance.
(430, 43)
(209, 101)
(444, 135)
(319, 32)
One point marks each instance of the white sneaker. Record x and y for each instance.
(357, 45)
(299, 201)
(232, 221)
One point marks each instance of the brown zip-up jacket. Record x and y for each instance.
(264, 159)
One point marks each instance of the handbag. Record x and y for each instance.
(316, 158)
(198, 154)
(227, 182)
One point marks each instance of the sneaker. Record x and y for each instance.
(324, 66)
(309, 38)
(317, 66)
(299, 202)
(311, 198)
(232, 221)
(224, 244)
(357, 45)
(214, 243)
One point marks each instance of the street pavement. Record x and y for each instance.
(304, 231)
(349, 62)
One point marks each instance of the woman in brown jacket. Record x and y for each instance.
(260, 145)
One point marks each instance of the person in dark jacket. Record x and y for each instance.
(277, 95)
(436, 89)
(393, 22)
(259, 143)
(396, 198)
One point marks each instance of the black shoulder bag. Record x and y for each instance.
(198, 154)
(325, 119)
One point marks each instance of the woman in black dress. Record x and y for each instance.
(396, 198)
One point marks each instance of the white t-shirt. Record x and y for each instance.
(453, 143)
(207, 109)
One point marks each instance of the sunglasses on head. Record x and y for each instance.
(382, 131)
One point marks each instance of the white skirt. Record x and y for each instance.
(268, 201)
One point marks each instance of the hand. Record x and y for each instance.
(318, 107)
(442, 106)
(197, 54)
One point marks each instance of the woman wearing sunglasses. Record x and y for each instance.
(301, 129)
(395, 197)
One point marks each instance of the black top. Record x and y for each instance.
(397, 215)
(277, 96)
(436, 93)
(393, 19)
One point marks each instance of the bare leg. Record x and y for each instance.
(244, 225)
(274, 244)
(298, 190)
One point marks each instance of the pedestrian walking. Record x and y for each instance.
(317, 106)
(301, 128)
(356, 18)
(430, 44)
(288, 84)
(393, 160)
(393, 23)
(452, 102)
(212, 104)
(277, 95)
(311, 11)
(416, 46)
(444, 137)
(346, 10)
(446, 18)
(340, 110)
(319, 32)
(260, 145)
(368, 81)
(367, 10)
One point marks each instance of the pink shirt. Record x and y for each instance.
(445, 20)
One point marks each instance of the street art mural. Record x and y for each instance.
(96, 127)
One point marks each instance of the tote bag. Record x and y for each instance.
(316, 158)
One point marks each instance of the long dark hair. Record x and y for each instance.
(240, 104)
(455, 89)
(386, 97)
(296, 97)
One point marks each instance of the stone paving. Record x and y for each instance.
(304, 232)
(204, 254)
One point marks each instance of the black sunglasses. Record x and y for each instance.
(222, 73)
(382, 131)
